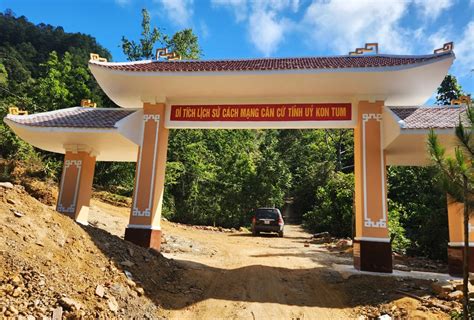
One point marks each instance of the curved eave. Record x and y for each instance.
(409, 146)
(410, 84)
(110, 144)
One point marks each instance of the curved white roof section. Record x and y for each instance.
(58, 130)
(399, 80)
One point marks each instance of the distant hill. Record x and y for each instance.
(31, 44)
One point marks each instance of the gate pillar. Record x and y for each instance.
(75, 190)
(144, 225)
(456, 238)
(372, 247)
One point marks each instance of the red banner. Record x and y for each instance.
(265, 112)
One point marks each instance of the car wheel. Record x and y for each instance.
(280, 234)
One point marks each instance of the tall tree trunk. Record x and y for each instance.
(465, 289)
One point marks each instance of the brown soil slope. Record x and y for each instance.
(48, 261)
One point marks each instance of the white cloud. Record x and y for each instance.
(464, 50)
(178, 11)
(239, 7)
(341, 26)
(437, 39)
(431, 9)
(266, 32)
(295, 5)
(204, 29)
(345, 25)
(266, 21)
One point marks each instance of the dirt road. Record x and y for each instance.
(263, 278)
(238, 276)
(243, 277)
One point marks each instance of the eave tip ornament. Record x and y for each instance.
(170, 56)
(447, 47)
(369, 47)
(96, 57)
(87, 103)
(461, 100)
(15, 111)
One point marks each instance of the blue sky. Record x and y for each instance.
(275, 28)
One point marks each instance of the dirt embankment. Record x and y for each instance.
(49, 265)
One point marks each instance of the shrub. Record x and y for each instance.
(333, 211)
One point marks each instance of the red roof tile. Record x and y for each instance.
(74, 118)
(445, 117)
(336, 62)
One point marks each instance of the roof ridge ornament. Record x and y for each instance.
(447, 47)
(464, 99)
(96, 57)
(369, 47)
(87, 103)
(15, 111)
(170, 56)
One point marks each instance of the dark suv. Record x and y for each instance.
(267, 220)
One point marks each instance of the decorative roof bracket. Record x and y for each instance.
(170, 56)
(87, 103)
(369, 47)
(96, 57)
(15, 111)
(447, 47)
(461, 100)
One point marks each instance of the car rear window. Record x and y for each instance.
(266, 214)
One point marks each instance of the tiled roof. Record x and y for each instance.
(445, 117)
(74, 118)
(336, 62)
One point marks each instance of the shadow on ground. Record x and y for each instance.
(176, 284)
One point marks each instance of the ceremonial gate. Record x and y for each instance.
(375, 94)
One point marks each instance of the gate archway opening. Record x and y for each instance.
(378, 96)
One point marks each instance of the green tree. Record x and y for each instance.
(333, 211)
(63, 84)
(448, 90)
(458, 174)
(396, 230)
(144, 49)
(29, 67)
(185, 43)
(418, 202)
(3, 75)
(52, 91)
(311, 155)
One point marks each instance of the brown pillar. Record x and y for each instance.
(144, 226)
(76, 183)
(456, 238)
(372, 248)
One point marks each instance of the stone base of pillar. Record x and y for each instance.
(148, 238)
(373, 256)
(455, 260)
